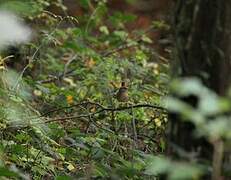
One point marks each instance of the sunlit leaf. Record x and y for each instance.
(157, 165)
(104, 30)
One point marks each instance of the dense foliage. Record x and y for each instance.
(59, 113)
(61, 117)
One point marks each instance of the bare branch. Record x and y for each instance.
(103, 108)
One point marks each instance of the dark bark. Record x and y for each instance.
(198, 32)
(203, 50)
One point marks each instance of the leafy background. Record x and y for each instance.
(58, 117)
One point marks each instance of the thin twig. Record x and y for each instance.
(103, 108)
(134, 128)
(55, 78)
(40, 46)
(99, 111)
(127, 45)
(71, 106)
(68, 63)
(120, 48)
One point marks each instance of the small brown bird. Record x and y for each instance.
(122, 94)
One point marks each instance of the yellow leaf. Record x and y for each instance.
(90, 63)
(148, 94)
(156, 72)
(69, 99)
(2, 67)
(70, 167)
(157, 122)
(93, 109)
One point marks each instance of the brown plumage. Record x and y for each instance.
(122, 94)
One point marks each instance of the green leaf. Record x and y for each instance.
(146, 39)
(185, 171)
(17, 6)
(63, 178)
(122, 34)
(104, 30)
(7, 173)
(157, 165)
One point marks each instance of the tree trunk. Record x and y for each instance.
(203, 49)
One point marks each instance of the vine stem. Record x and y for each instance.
(218, 146)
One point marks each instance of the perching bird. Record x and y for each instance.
(122, 94)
